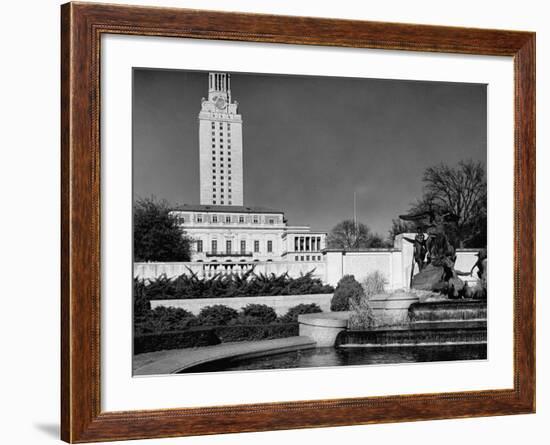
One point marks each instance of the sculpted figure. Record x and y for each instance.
(420, 248)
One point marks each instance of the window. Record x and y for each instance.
(307, 258)
(214, 218)
(301, 258)
(228, 219)
(199, 245)
(296, 258)
(214, 246)
(221, 203)
(256, 246)
(213, 125)
(213, 139)
(199, 218)
(241, 218)
(221, 125)
(270, 246)
(230, 201)
(228, 246)
(256, 219)
(271, 221)
(213, 202)
(243, 247)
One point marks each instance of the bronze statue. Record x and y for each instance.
(420, 248)
(437, 272)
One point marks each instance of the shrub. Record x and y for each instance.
(192, 338)
(260, 312)
(141, 302)
(293, 312)
(248, 285)
(347, 288)
(362, 316)
(256, 332)
(374, 284)
(216, 315)
(164, 319)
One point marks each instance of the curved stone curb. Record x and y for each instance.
(177, 360)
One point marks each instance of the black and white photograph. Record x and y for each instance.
(291, 221)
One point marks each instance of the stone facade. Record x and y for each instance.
(223, 230)
(247, 234)
(221, 145)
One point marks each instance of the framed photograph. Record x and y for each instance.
(275, 222)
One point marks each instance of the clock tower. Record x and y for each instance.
(221, 145)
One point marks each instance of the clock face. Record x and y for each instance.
(220, 103)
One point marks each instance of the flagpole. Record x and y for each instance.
(355, 215)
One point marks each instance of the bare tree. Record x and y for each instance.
(349, 235)
(461, 191)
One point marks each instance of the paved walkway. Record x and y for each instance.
(169, 362)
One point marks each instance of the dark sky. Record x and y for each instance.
(310, 142)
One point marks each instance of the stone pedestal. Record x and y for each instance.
(323, 327)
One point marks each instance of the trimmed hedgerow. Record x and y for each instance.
(348, 288)
(293, 312)
(211, 335)
(192, 338)
(256, 332)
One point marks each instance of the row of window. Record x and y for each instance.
(220, 125)
(227, 219)
(307, 258)
(229, 246)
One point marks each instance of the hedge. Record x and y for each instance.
(250, 284)
(191, 338)
(208, 336)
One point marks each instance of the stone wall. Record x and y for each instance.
(206, 270)
(394, 263)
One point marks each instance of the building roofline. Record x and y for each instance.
(206, 208)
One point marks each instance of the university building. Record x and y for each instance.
(223, 229)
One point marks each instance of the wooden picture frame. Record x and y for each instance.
(82, 25)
